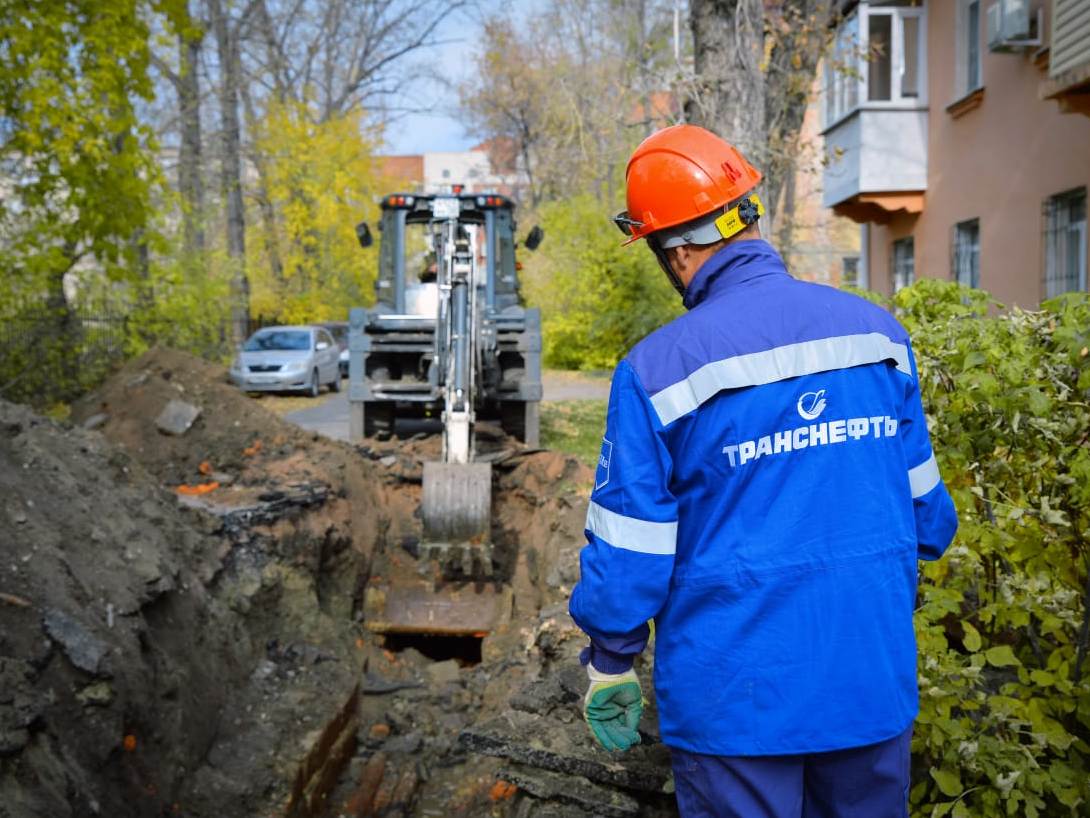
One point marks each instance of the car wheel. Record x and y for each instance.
(335, 384)
(315, 385)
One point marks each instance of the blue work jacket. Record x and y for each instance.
(765, 487)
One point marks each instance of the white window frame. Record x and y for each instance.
(836, 82)
(961, 37)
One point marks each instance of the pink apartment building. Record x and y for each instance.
(958, 136)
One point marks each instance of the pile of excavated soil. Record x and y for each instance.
(114, 657)
(208, 653)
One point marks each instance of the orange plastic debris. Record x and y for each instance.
(502, 790)
(129, 743)
(379, 730)
(390, 657)
(201, 488)
(250, 451)
(205, 467)
(359, 644)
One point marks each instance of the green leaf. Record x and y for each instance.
(948, 780)
(1001, 656)
(972, 639)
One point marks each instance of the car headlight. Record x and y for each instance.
(295, 366)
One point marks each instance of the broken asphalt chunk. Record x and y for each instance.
(550, 745)
(566, 789)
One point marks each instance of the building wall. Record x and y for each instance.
(998, 162)
(821, 240)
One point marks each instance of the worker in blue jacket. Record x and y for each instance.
(765, 488)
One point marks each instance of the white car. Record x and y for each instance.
(283, 359)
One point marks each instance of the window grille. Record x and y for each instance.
(1065, 242)
(904, 263)
(849, 275)
(966, 253)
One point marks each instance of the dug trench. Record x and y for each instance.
(184, 624)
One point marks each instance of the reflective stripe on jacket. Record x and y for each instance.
(765, 488)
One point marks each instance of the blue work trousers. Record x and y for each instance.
(861, 782)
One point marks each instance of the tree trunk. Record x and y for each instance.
(798, 35)
(190, 182)
(729, 95)
(231, 169)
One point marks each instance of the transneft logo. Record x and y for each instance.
(811, 404)
(817, 434)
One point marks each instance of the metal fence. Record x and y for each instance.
(49, 355)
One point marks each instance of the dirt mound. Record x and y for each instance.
(111, 648)
(205, 652)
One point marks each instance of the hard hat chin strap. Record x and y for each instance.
(664, 263)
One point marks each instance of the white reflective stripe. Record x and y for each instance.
(777, 364)
(924, 477)
(631, 534)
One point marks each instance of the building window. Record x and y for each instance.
(849, 274)
(1065, 243)
(880, 44)
(878, 56)
(446, 173)
(842, 72)
(967, 73)
(904, 263)
(966, 255)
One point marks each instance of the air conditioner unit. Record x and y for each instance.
(1010, 26)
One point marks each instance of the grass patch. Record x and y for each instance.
(575, 427)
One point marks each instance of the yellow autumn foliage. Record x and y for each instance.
(321, 179)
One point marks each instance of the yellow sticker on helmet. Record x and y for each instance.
(731, 222)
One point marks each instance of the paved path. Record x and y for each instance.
(330, 418)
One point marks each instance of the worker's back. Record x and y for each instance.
(791, 449)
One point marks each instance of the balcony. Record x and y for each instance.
(876, 113)
(876, 164)
(1069, 57)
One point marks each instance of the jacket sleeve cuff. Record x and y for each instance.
(606, 661)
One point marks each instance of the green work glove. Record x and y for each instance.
(612, 707)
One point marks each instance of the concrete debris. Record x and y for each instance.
(83, 649)
(177, 416)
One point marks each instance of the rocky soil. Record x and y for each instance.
(182, 628)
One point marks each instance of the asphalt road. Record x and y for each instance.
(330, 417)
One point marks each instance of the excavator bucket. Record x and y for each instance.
(417, 606)
(457, 506)
(454, 596)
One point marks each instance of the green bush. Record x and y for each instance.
(597, 297)
(1004, 725)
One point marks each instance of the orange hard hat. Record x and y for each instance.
(679, 174)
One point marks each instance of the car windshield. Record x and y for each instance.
(278, 340)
